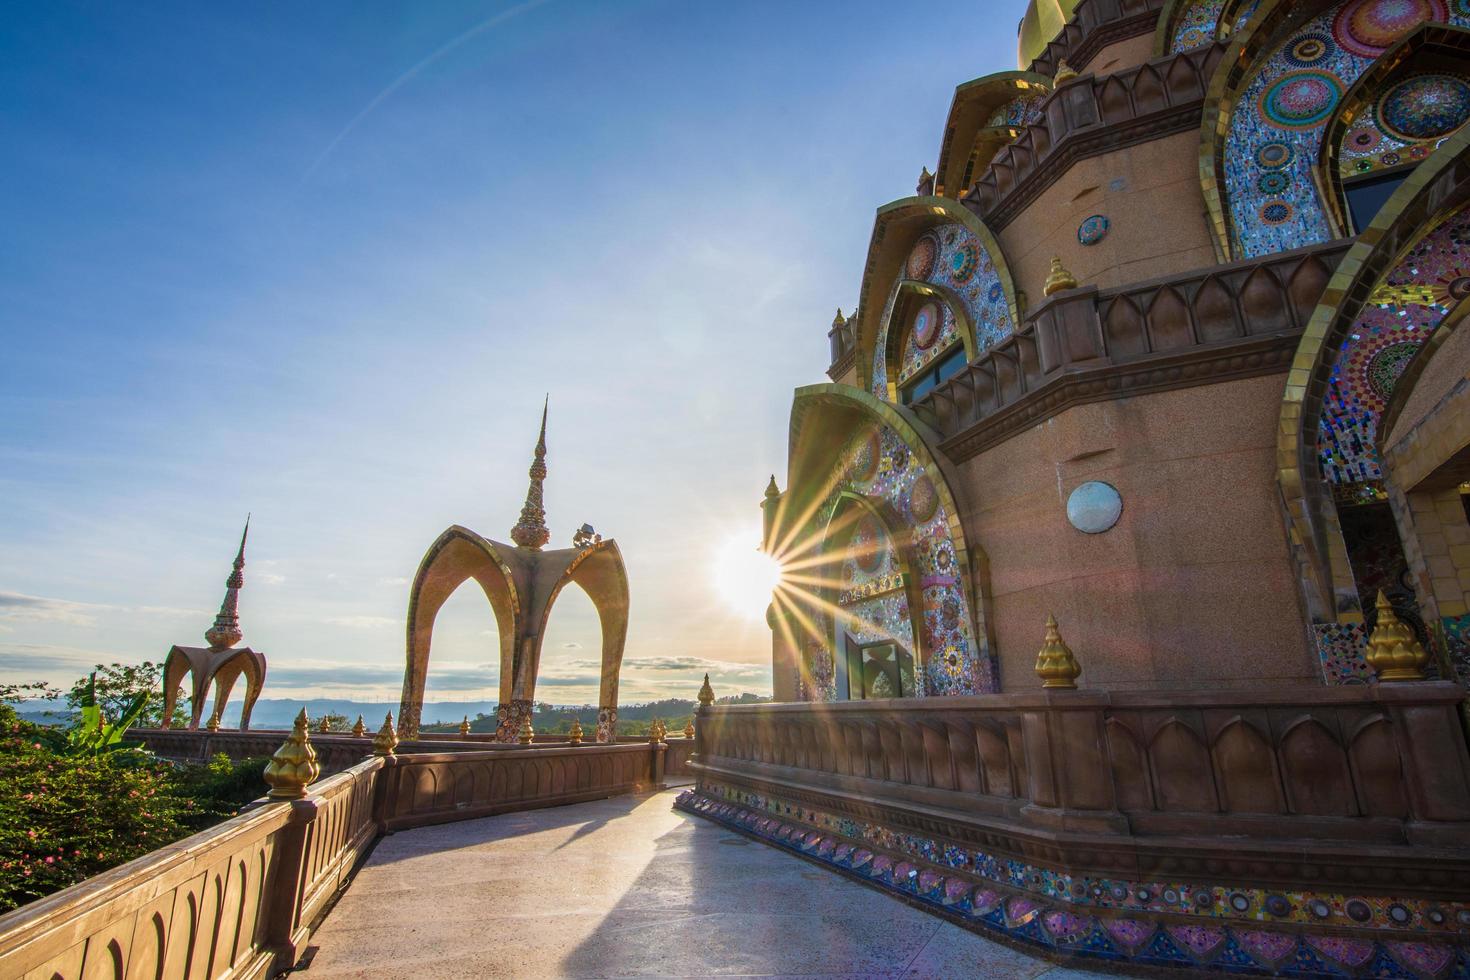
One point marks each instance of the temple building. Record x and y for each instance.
(1157, 374)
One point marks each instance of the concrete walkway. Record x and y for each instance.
(629, 888)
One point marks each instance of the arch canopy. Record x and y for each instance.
(205, 666)
(522, 586)
(896, 229)
(1013, 96)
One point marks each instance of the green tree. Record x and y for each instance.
(118, 685)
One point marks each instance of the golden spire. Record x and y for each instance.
(387, 739)
(530, 531)
(839, 319)
(689, 729)
(323, 726)
(226, 629)
(1065, 73)
(528, 734)
(213, 724)
(359, 729)
(294, 765)
(464, 726)
(656, 732)
(1055, 664)
(1059, 279)
(575, 738)
(1394, 652)
(706, 693)
(771, 489)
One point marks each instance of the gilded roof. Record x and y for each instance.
(1044, 20)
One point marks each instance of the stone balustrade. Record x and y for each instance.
(1094, 25)
(239, 900)
(1081, 345)
(1090, 116)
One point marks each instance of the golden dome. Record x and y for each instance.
(1044, 20)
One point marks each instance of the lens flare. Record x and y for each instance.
(744, 576)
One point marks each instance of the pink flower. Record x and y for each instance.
(50, 860)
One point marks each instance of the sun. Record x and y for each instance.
(744, 576)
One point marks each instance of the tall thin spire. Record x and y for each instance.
(226, 629)
(531, 531)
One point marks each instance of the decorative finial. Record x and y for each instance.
(1059, 279)
(324, 727)
(925, 186)
(1394, 652)
(771, 489)
(294, 765)
(689, 729)
(706, 693)
(656, 732)
(531, 531)
(359, 729)
(464, 726)
(1055, 664)
(226, 629)
(839, 319)
(213, 724)
(528, 734)
(1065, 73)
(387, 739)
(575, 738)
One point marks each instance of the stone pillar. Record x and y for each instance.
(607, 724)
(508, 727)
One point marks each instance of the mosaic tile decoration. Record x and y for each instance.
(1417, 295)
(1276, 128)
(931, 332)
(877, 464)
(1196, 26)
(607, 724)
(1021, 111)
(1237, 930)
(1457, 645)
(1407, 122)
(1093, 229)
(1342, 650)
(952, 257)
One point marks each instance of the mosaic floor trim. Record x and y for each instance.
(1233, 947)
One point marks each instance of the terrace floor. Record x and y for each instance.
(628, 887)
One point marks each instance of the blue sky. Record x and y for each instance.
(321, 262)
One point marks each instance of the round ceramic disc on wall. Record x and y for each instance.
(1094, 506)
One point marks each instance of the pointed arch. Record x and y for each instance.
(896, 229)
(986, 114)
(1186, 24)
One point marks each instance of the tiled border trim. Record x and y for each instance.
(1136, 936)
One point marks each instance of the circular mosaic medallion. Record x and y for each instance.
(923, 500)
(1458, 288)
(1204, 899)
(921, 259)
(1308, 49)
(926, 326)
(949, 613)
(1239, 902)
(1399, 914)
(1093, 229)
(1387, 364)
(864, 548)
(1273, 182)
(1320, 908)
(1358, 910)
(952, 663)
(1276, 212)
(963, 261)
(1362, 140)
(1301, 99)
(1273, 155)
(865, 459)
(1424, 107)
(1094, 506)
(1367, 28)
(1278, 906)
(899, 458)
(995, 293)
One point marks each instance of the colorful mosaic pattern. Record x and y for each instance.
(1406, 123)
(952, 257)
(1196, 26)
(1276, 129)
(607, 724)
(1341, 650)
(1021, 111)
(878, 465)
(1093, 229)
(1239, 930)
(1457, 645)
(931, 331)
(509, 716)
(1417, 295)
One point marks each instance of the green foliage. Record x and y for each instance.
(221, 786)
(65, 817)
(113, 687)
(94, 734)
(633, 719)
(335, 723)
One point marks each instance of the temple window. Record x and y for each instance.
(934, 375)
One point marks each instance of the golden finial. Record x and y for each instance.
(294, 765)
(689, 730)
(655, 732)
(839, 319)
(359, 729)
(324, 726)
(1059, 279)
(464, 726)
(387, 739)
(213, 724)
(1055, 664)
(1065, 73)
(1394, 652)
(575, 738)
(771, 489)
(531, 531)
(528, 734)
(225, 632)
(706, 693)
(925, 186)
